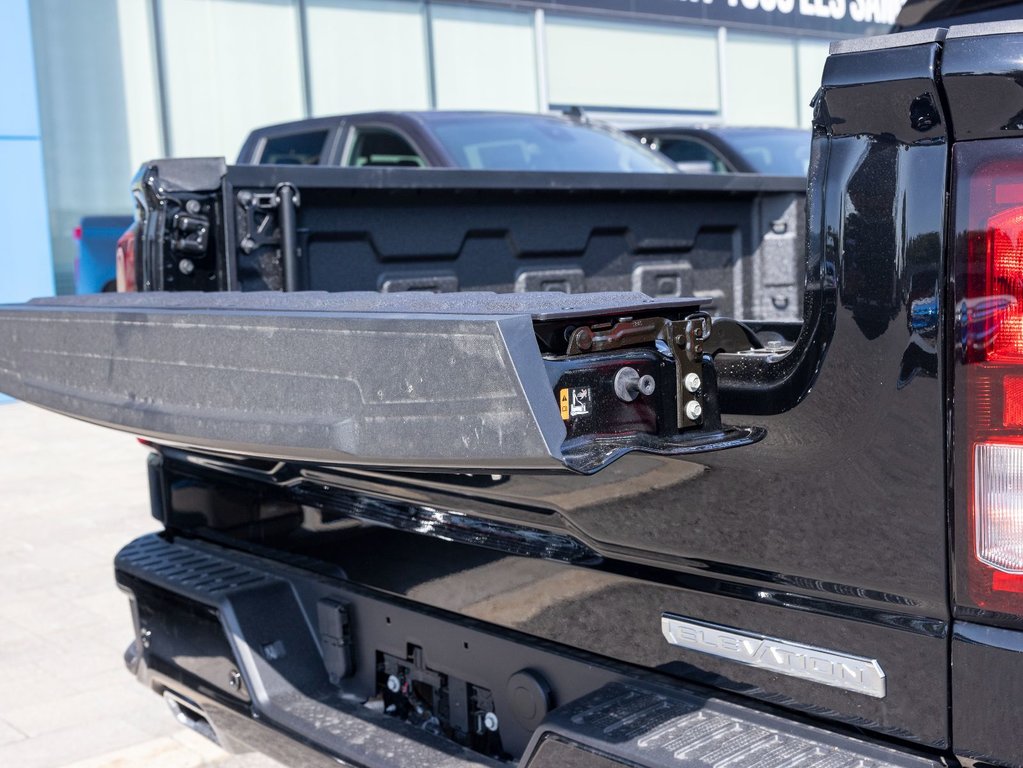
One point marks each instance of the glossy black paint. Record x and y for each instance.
(987, 676)
(983, 78)
(878, 125)
(831, 531)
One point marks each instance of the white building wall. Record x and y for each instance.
(761, 80)
(230, 65)
(139, 81)
(84, 111)
(810, 56)
(367, 55)
(637, 66)
(483, 59)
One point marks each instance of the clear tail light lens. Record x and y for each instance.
(998, 502)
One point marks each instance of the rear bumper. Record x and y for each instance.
(987, 676)
(252, 651)
(360, 739)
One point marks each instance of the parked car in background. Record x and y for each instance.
(493, 141)
(772, 151)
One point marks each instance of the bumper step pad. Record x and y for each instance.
(639, 724)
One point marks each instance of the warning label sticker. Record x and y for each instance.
(575, 401)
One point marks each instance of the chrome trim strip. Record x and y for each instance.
(839, 670)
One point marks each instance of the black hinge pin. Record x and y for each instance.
(287, 200)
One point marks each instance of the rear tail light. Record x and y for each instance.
(989, 382)
(126, 280)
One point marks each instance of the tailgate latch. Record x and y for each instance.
(636, 383)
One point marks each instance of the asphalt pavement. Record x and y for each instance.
(71, 494)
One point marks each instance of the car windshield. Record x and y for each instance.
(778, 153)
(528, 143)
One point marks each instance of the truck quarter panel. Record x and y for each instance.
(790, 526)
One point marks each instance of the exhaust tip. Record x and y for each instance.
(190, 715)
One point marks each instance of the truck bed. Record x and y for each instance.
(735, 241)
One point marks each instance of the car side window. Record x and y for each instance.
(693, 156)
(294, 149)
(374, 147)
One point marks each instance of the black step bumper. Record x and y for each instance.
(238, 645)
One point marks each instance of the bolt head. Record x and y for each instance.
(490, 721)
(393, 683)
(186, 266)
(692, 382)
(694, 410)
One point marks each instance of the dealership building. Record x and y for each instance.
(94, 88)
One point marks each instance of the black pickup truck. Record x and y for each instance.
(409, 528)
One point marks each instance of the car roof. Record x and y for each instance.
(399, 116)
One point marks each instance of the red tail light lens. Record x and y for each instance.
(126, 262)
(989, 223)
(1002, 277)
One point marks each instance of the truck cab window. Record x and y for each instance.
(382, 147)
(294, 149)
(693, 156)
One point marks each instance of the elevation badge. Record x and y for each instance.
(853, 673)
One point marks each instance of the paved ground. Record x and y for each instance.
(71, 495)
